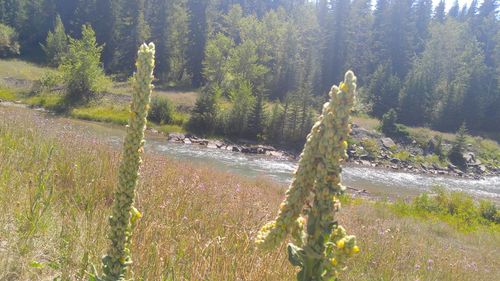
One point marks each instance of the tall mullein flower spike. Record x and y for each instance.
(124, 215)
(318, 176)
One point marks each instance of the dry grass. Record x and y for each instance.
(198, 223)
(185, 99)
(366, 122)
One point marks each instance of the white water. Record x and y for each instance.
(377, 181)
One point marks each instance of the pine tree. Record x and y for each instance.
(197, 39)
(177, 40)
(359, 53)
(131, 30)
(336, 33)
(454, 10)
(56, 45)
(456, 154)
(257, 118)
(439, 12)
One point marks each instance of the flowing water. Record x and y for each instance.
(378, 182)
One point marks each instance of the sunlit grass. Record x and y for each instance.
(7, 95)
(22, 70)
(198, 222)
(111, 114)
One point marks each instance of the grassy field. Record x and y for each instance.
(56, 186)
(22, 70)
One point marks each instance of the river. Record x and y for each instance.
(378, 182)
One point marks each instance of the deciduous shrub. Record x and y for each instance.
(161, 110)
(82, 74)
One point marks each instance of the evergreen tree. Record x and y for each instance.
(359, 53)
(131, 30)
(456, 154)
(454, 10)
(336, 32)
(177, 40)
(197, 39)
(56, 45)
(204, 114)
(439, 12)
(257, 118)
(242, 103)
(383, 90)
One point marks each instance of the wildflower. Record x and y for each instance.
(355, 249)
(340, 244)
(124, 215)
(323, 243)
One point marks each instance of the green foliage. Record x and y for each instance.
(81, 71)
(7, 95)
(456, 154)
(489, 211)
(383, 91)
(161, 110)
(242, 104)
(456, 208)
(438, 148)
(204, 114)
(371, 147)
(110, 114)
(56, 44)
(257, 118)
(8, 41)
(391, 129)
(177, 41)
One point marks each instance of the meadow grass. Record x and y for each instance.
(20, 69)
(56, 190)
(8, 94)
(102, 113)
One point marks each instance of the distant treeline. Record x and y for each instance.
(436, 67)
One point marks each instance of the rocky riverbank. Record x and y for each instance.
(385, 153)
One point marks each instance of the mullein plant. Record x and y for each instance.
(124, 215)
(321, 245)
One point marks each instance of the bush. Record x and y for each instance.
(371, 147)
(161, 110)
(489, 211)
(391, 129)
(8, 41)
(82, 74)
(455, 207)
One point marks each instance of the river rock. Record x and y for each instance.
(187, 141)
(395, 160)
(235, 149)
(387, 142)
(176, 136)
(212, 145)
(469, 157)
(482, 169)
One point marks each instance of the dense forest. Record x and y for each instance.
(265, 66)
